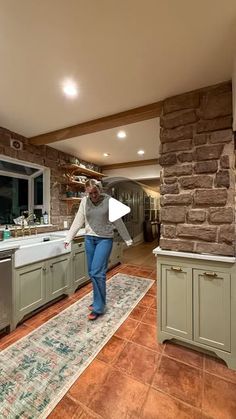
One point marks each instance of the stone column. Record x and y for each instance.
(197, 179)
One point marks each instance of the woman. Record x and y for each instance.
(93, 213)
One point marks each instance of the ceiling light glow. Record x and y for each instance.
(121, 134)
(106, 154)
(70, 88)
(141, 152)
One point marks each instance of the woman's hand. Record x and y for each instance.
(129, 242)
(66, 244)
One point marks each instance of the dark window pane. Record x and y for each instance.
(16, 168)
(38, 190)
(13, 198)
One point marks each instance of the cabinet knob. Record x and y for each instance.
(211, 275)
(176, 268)
(44, 269)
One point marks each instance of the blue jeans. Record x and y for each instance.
(98, 250)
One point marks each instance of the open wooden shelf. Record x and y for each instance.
(75, 168)
(73, 198)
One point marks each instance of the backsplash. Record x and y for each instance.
(198, 180)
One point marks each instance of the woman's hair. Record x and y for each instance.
(90, 183)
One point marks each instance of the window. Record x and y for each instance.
(23, 187)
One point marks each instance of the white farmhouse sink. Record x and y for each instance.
(34, 249)
(26, 241)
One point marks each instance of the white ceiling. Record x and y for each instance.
(141, 135)
(121, 53)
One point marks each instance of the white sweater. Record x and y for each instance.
(95, 219)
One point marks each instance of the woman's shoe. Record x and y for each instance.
(93, 316)
(90, 307)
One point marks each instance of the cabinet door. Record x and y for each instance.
(30, 288)
(79, 267)
(59, 276)
(212, 308)
(176, 300)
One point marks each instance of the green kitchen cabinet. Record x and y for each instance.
(38, 283)
(176, 300)
(197, 302)
(79, 265)
(212, 304)
(58, 276)
(29, 290)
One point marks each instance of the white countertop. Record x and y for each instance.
(4, 245)
(13, 242)
(202, 256)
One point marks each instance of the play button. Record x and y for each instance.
(117, 210)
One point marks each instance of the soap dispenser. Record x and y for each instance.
(6, 233)
(45, 217)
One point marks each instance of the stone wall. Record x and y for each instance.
(197, 179)
(48, 157)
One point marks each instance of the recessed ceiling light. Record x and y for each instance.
(121, 134)
(141, 152)
(106, 154)
(70, 88)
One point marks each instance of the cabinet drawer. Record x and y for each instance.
(212, 305)
(78, 246)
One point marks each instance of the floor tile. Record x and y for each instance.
(219, 397)
(150, 317)
(70, 409)
(138, 362)
(148, 301)
(146, 335)
(66, 409)
(186, 355)
(127, 329)
(128, 271)
(138, 312)
(85, 413)
(111, 350)
(144, 272)
(89, 382)
(153, 290)
(162, 406)
(179, 380)
(218, 367)
(119, 397)
(153, 275)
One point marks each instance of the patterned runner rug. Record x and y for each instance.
(37, 371)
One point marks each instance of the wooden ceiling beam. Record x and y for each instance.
(127, 164)
(131, 116)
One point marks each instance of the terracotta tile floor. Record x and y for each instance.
(134, 377)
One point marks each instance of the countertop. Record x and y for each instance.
(200, 256)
